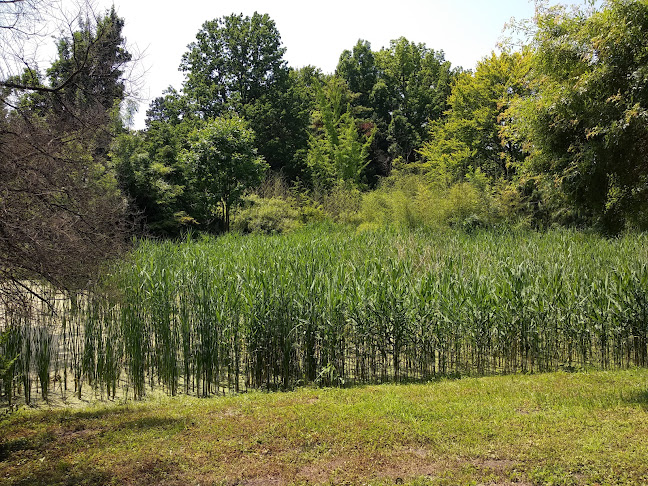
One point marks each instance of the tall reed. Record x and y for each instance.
(332, 306)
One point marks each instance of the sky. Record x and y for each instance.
(314, 33)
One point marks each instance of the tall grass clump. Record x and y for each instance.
(334, 306)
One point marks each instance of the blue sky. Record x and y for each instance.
(316, 32)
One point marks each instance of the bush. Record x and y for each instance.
(342, 203)
(408, 200)
(266, 215)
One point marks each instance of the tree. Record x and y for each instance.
(337, 151)
(61, 213)
(280, 121)
(471, 136)
(236, 65)
(233, 62)
(586, 122)
(89, 77)
(416, 83)
(151, 175)
(89, 70)
(150, 171)
(358, 68)
(398, 90)
(24, 25)
(224, 163)
(171, 108)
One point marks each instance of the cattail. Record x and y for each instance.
(334, 307)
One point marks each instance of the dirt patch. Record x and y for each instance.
(320, 472)
(495, 464)
(398, 467)
(74, 434)
(154, 471)
(267, 481)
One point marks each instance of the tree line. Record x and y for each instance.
(313, 128)
(551, 133)
(554, 131)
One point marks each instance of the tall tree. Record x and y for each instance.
(153, 177)
(236, 65)
(358, 68)
(471, 136)
(233, 62)
(398, 90)
(415, 86)
(89, 76)
(24, 26)
(586, 123)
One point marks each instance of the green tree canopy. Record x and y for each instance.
(154, 178)
(471, 136)
(358, 68)
(88, 76)
(236, 65)
(224, 163)
(416, 83)
(398, 90)
(233, 62)
(586, 122)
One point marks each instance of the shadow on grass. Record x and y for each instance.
(62, 473)
(148, 471)
(637, 398)
(57, 456)
(108, 411)
(38, 442)
(164, 423)
(17, 445)
(120, 418)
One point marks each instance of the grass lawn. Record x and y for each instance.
(558, 428)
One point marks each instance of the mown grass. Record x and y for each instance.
(554, 428)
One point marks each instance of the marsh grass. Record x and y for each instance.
(336, 307)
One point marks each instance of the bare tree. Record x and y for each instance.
(61, 213)
(25, 27)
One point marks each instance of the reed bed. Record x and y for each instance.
(331, 306)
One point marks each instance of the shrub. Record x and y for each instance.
(266, 215)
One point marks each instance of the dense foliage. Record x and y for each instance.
(224, 163)
(552, 134)
(585, 125)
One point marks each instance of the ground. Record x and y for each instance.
(558, 428)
